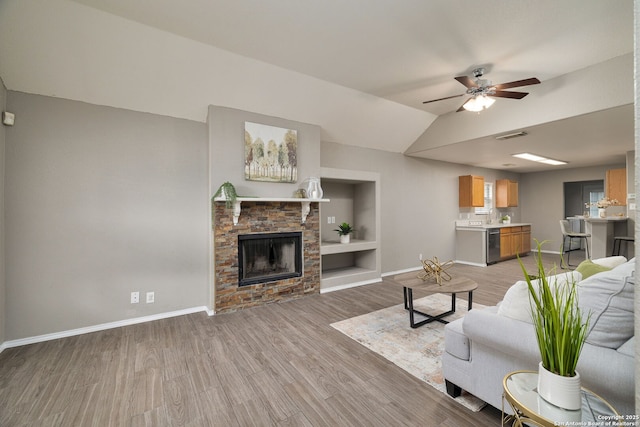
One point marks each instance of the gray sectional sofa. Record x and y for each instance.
(485, 345)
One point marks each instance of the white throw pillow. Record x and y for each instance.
(610, 261)
(515, 303)
(609, 297)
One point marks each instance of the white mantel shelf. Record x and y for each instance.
(305, 204)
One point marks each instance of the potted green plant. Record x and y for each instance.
(561, 330)
(344, 231)
(227, 192)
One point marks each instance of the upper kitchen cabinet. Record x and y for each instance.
(471, 191)
(616, 185)
(506, 193)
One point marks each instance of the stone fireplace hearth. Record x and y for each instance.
(262, 217)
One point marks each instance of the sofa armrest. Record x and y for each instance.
(510, 336)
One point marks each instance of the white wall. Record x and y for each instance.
(101, 202)
(97, 57)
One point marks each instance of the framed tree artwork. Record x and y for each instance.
(270, 153)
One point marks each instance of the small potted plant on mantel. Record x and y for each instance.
(227, 192)
(344, 231)
(561, 330)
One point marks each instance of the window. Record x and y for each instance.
(594, 197)
(488, 200)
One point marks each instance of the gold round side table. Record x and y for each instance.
(520, 392)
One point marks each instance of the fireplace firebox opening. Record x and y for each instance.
(267, 257)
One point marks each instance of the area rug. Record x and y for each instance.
(417, 351)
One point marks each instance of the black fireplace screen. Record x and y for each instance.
(267, 257)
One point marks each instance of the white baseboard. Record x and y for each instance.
(406, 270)
(102, 327)
(474, 264)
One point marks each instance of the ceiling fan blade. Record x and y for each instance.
(512, 95)
(467, 81)
(518, 83)
(442, 99)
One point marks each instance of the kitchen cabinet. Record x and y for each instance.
(476, 244)
(616, 185)
(506, 193)
(471, 191)
(525, 246)
(515, 241)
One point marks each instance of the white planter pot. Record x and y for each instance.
(602, 212)
(558, 390)
(345, 238)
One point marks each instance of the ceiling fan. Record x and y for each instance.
(481, 89)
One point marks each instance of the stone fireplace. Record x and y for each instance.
(264, 221)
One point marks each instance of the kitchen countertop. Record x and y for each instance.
(465, 225)
(606, 219)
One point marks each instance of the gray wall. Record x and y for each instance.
(3, 303)
(419, 201)
(226, 151)
(542, 196)
(101, 202)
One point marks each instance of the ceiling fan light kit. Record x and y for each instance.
(478, 103)
(481, 89)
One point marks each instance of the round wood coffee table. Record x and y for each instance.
(411, 281)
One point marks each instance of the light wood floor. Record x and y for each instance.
(276, 365)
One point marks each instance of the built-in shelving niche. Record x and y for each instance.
(354, 198)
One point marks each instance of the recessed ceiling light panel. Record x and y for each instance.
(539, 159)
(528, 156)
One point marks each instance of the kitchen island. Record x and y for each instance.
(476, 244)
(602, 231)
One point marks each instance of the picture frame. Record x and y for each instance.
(270, 153)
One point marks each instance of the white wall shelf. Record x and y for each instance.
(328, 248)
(237, 206)
(355, 198)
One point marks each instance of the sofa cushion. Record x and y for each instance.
(588, 268)
(515, 303)
(456, 342)
(628, 347)
(608, 297)
(610, 261)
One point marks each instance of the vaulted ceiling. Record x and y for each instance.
(359, 69)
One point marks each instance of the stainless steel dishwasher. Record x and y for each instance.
(493, 245)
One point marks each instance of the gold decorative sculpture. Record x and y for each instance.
(434, 269)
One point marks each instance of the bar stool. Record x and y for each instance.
(617, 242)
(564, 226)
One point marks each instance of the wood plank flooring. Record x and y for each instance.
(276, 365)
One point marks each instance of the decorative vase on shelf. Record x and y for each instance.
(602, 212)
(345, 238)
(560, 391)
(313, 188)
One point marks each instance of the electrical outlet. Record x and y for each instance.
(150, 297)
(328, 220)
(420, 258)
(135, 297)
(333, 220)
